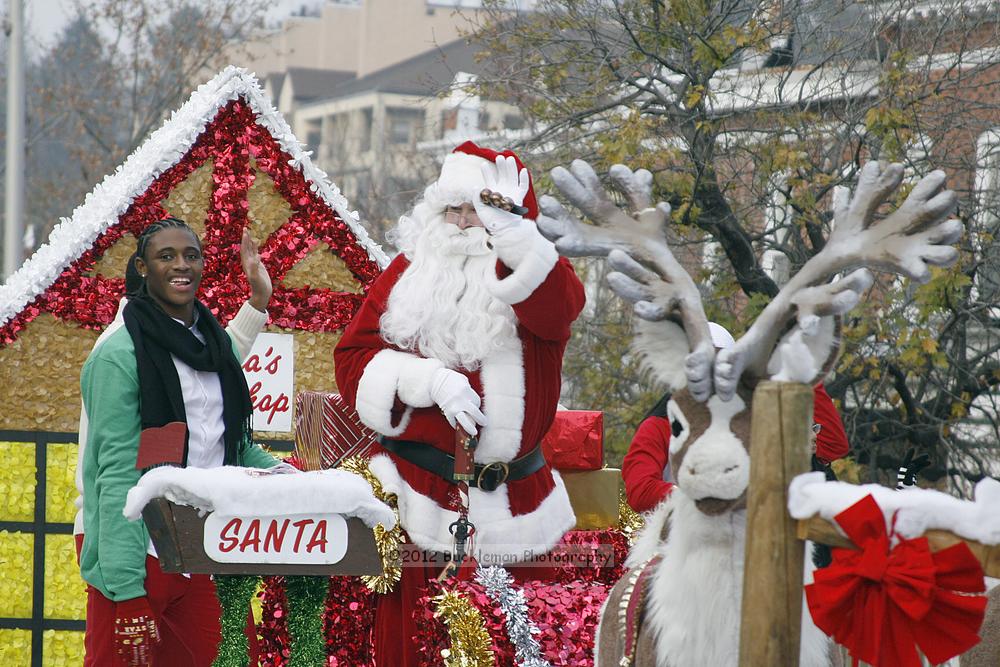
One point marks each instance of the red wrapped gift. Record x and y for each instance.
(575, 441)
(328, 430)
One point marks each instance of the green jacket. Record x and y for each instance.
(113, 558)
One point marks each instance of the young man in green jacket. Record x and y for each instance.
(170, 362)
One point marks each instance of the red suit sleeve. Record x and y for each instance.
(643, 466)
(361, 339)
(831, 443)
(553, 306)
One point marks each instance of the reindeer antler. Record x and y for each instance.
(636, 246)
(908, 241)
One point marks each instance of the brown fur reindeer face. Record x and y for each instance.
(709, 449)
(795, 338)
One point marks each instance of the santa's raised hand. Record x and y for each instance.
(505, 178)
(256, 273)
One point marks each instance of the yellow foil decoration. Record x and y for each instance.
(594, 495)
(629, 521)
(470, 642)
(17, 481)
(40, 375)
(322, 268)
(62, 648)
(15, 647)
(112, 263)
(65, 591)
(16, 565)
(190, 199)
(60, 482)
(268, 210)
(386, 541)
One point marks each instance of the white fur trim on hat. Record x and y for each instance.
(461, 181)
(721, 338)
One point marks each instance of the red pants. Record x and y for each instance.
(187, 614)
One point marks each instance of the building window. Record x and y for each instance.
(513, 121)
(988, 177)
(403, 125)
(314, 133)
(986, 217)
(366, 130)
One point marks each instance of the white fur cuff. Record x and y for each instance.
(389, 374)
(530, 256)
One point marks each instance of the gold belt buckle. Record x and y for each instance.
(499, 465)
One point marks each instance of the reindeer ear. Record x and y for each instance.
(662, 347)
(806, 353)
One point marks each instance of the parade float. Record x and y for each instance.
(226, 162)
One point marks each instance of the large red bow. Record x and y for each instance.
(882, 603)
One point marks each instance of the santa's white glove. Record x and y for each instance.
(457, 400)
(502, 177)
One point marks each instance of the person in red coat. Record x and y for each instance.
(466, 327)
(645, 468)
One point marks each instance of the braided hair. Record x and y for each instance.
(134, 282)
(159, 225)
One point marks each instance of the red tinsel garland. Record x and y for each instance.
(230, 140)
(883, 601)
(565, 606)
(348, 623)
(567, 615)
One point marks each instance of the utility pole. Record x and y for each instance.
(13, 240)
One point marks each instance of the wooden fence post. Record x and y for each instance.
(773, 567)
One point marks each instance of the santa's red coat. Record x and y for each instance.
(519, 384)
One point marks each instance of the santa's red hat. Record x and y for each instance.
(461, 178)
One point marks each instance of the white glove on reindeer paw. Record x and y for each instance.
(457, 400)
(502, 177)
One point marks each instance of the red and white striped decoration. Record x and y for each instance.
(328, 430)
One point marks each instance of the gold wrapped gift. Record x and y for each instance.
(594, 496)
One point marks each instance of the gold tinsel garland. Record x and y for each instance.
(470, 641)
(386, 541)
(629, 521)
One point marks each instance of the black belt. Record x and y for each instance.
(488, 476)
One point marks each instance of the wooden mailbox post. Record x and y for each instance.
(773, 567)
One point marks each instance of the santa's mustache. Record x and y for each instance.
(471, 241)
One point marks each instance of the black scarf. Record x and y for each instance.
(156, 336)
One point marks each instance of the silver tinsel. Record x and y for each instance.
(498, 584)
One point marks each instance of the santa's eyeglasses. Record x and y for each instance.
(455, 215)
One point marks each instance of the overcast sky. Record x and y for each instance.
(45, 18)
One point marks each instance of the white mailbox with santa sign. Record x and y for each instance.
(299, 538)
(234, 520)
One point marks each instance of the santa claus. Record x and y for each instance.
(467, 326)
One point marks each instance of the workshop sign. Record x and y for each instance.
(270, 373)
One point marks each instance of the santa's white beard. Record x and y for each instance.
(440, 306)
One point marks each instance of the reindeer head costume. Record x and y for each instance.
(795, 338)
